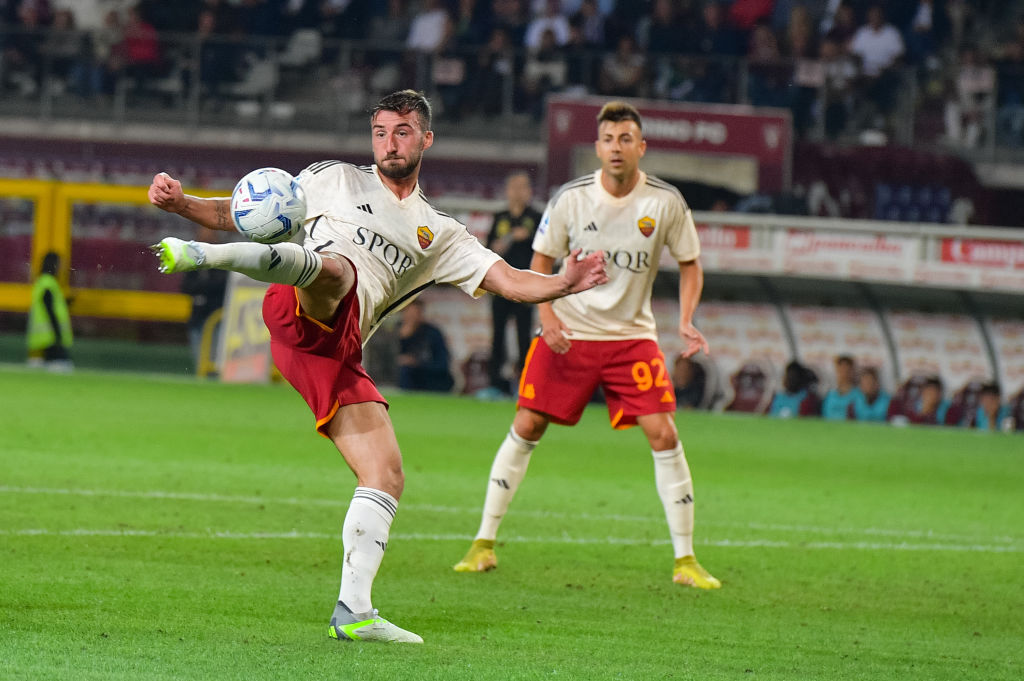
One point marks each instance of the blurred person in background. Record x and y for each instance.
(690, 381)
(511, 237)
(49, 336)
(423, 357)
(797, 397)
(931, 406)
(879, 46)
(871, 402)
(991, 414)
(838, 401)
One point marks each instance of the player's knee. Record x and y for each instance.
(336, 276)
(529, 425)
(662, 436)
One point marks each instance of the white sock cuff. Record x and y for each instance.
(520, 440)
(669, 453)
(382, 502)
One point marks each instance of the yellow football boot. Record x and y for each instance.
(479, 558)
(689, 572)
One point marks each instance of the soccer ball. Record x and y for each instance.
(268, 206)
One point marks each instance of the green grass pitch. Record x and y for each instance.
(153, 528)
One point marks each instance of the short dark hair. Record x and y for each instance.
(403, 102)
(845, 359)
(615, 112)
(990, 389)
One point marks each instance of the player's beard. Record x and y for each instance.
(401, 171)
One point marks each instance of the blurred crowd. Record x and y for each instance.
(839, 65)
(853, 393)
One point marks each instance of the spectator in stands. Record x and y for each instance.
(511, 237)
(927, 28)
(1009, 64)
(62, 47)
(768, 76)
(971, 100)
(546, 71)
(552, 20)
(431, 28)
(20, 53)
(991, 414)
(843, 25)
(423, 357)
(590, 21)
(662, 32)
(798, 396)
(49, 322)
(495, 64)
(690, 381)
(871, 402)
(840, 399)
(624, 71)
(138, 55)
(879, 47)
(511, 15)
(931, 406)
(710, 77)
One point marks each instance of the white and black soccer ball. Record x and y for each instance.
(268, 206)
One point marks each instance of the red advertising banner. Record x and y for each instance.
(765, 135)
(983, 253)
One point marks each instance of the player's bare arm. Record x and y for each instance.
(166, 194)
(527, 286)
(554, 332)
(691, 283)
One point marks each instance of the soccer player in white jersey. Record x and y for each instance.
(372, 243)
(606, 336)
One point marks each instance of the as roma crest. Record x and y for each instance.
(646, 225)
(425, 236)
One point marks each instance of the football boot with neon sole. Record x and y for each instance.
(480, 557)
(689, 572)
(367, 627)
(177, 255)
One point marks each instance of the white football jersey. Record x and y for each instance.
(399, 246)
(631, 230)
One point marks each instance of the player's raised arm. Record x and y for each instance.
(526, 286)
(166, 194)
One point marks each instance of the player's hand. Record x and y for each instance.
(555, 333)
(584, 274)
(166, 193)
(693, 340)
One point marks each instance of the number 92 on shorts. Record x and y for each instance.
(632, 373)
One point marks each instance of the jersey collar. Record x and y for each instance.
(401, 202)
(618, 200)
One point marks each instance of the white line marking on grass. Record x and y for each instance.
(432, 508)
(617, 541)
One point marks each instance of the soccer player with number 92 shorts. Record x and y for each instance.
(606, 336)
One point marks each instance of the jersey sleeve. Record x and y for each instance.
(682, 241)
(464, 263)
(552, 235)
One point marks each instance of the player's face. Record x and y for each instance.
(399, 143)
(620, 146)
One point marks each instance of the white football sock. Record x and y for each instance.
(365, 537)
(284, 263)
(672, 477)
(507, 472)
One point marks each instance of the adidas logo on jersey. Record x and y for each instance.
(365, 208)
(590, 228)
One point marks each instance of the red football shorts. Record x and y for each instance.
(322, 362)
(631, 372)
